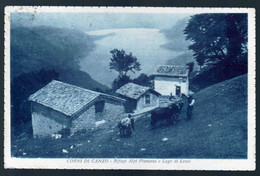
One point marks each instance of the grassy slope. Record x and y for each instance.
(218, 129)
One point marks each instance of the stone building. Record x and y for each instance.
(138, 97)
(171, 80)
(59, 106)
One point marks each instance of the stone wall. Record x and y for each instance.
(84, 121)
(46, 121)
(112, 113)
(130, 104)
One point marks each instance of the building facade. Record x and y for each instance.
(138, 97)
(171, 80)
(59, 106)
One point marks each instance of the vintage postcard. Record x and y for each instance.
(130, 88)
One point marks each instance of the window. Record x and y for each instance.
(147, 99)
(99, 106)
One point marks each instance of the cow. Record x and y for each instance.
(168, 114)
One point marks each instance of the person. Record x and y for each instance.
(132, 121)
(126, 126)
(171, 97)
(191, 102)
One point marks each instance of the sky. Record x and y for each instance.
(97, 21)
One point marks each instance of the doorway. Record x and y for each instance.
(178, 90)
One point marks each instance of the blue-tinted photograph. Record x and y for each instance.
(129, 85)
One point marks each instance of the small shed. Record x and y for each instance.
(59, 106)
(138, 97)
(171, 80)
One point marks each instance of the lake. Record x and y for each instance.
(145, 44)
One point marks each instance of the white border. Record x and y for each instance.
(195, 164)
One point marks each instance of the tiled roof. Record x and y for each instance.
(65, 98)
(132, 90)
(171, 70)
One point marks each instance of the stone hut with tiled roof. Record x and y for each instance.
(59, 106)
(171, 80)
(138, 97)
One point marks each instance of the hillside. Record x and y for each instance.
(176, 38)
(183, 59)
(176, 41)
(81, 79)
(34, 48)
(40, 54)
(218, 129)
(47, 47)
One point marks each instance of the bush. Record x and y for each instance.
(143, 80)
(120, 81)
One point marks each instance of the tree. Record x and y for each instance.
(190, 65)
(143, 80)
(219, 39)
(123, 63)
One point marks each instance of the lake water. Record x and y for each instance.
(145, 44)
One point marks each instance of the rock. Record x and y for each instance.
(56, 136)
(98, 123)
(165, 139)
(64, 151)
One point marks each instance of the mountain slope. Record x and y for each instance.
(52, 48)
(175, 36)
(221, 114)
(218, 129)
(47, 47)
(81, 79)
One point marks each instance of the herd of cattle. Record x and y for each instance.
(167, 114)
